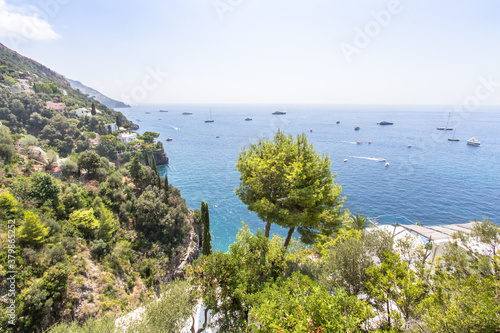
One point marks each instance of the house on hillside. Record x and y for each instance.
(127, 137)
(83, 112)
(113, 127)
(59, 107)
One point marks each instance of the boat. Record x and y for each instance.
(383, 122)
(168, 139)
(163, 111)
(473, 142)
(210, 120)
(338, 122)
(345, 160)
(453, 138)
(311, 130)
(248, 119)
(409, 146)
(359, 142)
(381, 159)
(446, 128)
(187, 113)
(387, 164)
(277, 112)
(356, 128)
(148, 112)
(369, 142)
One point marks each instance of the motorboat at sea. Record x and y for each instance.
(383, 122)
(248, 119)
(473, 142)
(187, 113)
(356, 128)
(277, 112)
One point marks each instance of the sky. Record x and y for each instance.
(405, 52)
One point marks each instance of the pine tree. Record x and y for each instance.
(107, 224)
(207, 238)
(153, 163)
(33, 231)
(166, 188)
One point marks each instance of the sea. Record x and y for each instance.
(424, 177)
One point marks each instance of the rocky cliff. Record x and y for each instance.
(160, 157)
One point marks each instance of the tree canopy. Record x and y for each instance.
(286, 182)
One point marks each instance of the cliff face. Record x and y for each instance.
(188, 252)
(160, 157)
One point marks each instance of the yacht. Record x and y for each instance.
(446, 128)
(277, 112)
(473, 142)
(453, 138)
(248, 119)
(210, 120)
(187, 113)
(383, 122)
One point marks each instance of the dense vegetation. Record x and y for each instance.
(98, 240)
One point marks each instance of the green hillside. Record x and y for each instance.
(87, 223)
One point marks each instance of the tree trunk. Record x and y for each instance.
(268, 229)
(288, 237)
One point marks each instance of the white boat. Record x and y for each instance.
(454, 138)
(473, 142)
(446, 128)
(387, 164)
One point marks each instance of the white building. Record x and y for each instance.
(112, 126)
(127, 137)
(82, 112)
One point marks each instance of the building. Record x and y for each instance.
(112, 126)
(127, 137)
(59, 107)
(83, 112)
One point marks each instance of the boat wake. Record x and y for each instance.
(175, 128)
(378, 159)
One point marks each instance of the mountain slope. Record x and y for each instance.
(12, 60)
(109, 102)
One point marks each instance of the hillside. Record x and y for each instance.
(94, 94)
(11, 61)
(97, 230)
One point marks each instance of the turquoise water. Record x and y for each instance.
(433, 182)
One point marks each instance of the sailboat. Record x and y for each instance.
(446, 128)
(453, 138)
(210, 120)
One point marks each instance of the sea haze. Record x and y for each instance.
(434, 182)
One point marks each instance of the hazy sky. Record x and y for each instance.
(266, 51)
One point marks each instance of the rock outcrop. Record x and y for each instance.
(160, 157)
